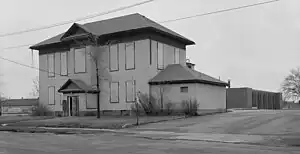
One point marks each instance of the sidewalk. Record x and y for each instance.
(164, 135)
(224, 138)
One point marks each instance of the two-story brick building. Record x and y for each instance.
(129, 51)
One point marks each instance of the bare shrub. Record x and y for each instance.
(90, 113)
(148, 104)
(42, 110)
(136, 108)
(190, 107)
(169, 108)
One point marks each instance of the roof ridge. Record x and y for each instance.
(192, 72)
(111, 18)
(118, 24)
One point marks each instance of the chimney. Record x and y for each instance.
(190, 65)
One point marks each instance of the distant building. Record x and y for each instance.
(247, 98)
(291, 105)
(18, 106)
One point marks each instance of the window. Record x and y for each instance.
(114, 92)
(130, 55)
(130, 91)
(51, 95)
(63, 63)
(160, 56)
(176, 56)
(80, 60)
(50, 64)
(114, 57)
(184, 89)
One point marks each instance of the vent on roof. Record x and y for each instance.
(190, 65)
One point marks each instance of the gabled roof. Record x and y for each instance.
(177, 73)
(76, 86)
(72, 29)
(120, 24)
(20, 102)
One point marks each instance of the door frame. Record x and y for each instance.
(69, 100)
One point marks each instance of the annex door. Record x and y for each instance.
(74, 105)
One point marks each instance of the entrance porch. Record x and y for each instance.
(77, 98)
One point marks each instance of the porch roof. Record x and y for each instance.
(76, 86)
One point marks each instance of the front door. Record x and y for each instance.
(74, 105)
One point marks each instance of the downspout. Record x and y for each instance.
(228, 87)
(32, 60)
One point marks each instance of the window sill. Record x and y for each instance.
(91, 108)
(130, 101)
(127, 69)
(113, 70)
(79, 72)
(114, 102)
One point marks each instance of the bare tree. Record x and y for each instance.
(291, 85)
(94, 40)
(35, 89)
(2, 98)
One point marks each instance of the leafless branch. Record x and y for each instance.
(35, 89)
(291, 85)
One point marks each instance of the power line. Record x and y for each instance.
(219, 11)
(14, 47)
(182, 18)
(12, 61)
(75, 20)
(172, 20)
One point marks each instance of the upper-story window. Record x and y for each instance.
(114, 57)
(63, 63)
(130, 55)
(160, 55)
(176, 56)
(50, 65)
(80, 60)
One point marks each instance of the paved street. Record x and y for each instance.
(21, 143)
(278, 122)
(279, 127)
(193, 135)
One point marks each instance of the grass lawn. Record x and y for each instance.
(105, 122)
(14, 119)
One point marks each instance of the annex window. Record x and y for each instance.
(51, 95)
(130, 91)
(130, 55)
(114, 57)
(80, 60)
(176, 56)
(63, 63)
(160, 56)
(114, 92)
(50, 64)
(184, 89)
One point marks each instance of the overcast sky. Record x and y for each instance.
(254, 47)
